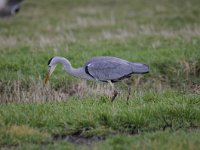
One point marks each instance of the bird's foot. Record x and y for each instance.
(128, 96)
(115, 93)
(129, 93)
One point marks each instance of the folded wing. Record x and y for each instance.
(108, 69)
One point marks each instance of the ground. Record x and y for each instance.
(69, 113)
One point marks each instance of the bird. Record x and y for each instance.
(100, 68)
(9, 7)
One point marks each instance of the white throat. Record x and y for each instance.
(77, 72)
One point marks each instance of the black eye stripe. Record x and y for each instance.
(49, 61)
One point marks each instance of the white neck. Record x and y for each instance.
(78, 72)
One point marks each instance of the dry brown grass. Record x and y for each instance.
(24, 130)
(190, 68)
(17, 91)
(36, 91)
(149, 30)
(66, 33)
(23, 133)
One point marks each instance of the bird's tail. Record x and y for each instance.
(140, 68)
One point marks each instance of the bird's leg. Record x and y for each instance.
(127, 83)
(129, 92)
(115, 93)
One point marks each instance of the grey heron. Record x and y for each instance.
(101, 68)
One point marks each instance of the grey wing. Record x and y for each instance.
(108, 70)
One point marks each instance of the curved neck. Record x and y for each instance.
(78, 72)
(66, 64)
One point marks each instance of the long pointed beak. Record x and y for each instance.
(47, 75)
(50, 71)
(46, 78)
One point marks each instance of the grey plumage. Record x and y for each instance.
(106, 68)
(9, 7)
(102, 68)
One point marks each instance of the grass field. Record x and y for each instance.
(69, 113)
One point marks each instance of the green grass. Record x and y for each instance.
(169, 113)
(163, 111)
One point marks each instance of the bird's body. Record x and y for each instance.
(101, 68)
(106, 68)
(9, 7)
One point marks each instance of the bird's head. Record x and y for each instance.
(52, 66)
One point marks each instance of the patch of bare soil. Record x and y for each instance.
(78, 139)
